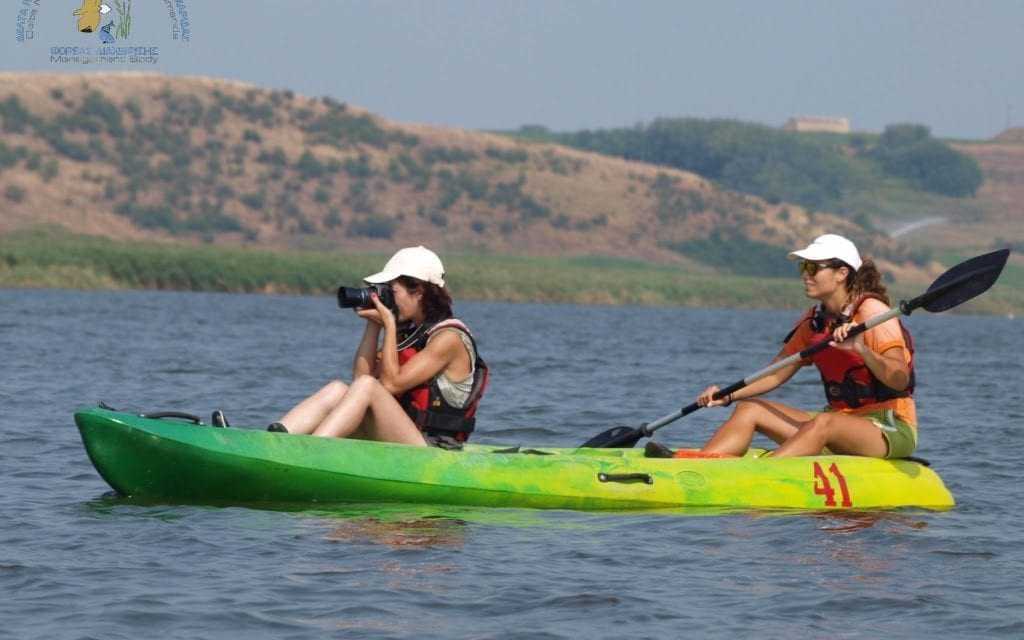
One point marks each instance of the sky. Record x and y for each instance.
(957, 67)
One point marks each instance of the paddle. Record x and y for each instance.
(966, 280)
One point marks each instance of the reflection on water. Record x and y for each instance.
(841, 522)
(420, 533)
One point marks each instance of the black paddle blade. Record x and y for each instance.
(966, 280)
(616, 438)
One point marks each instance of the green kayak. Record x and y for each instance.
(174, 460)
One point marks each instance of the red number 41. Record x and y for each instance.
(823, 487)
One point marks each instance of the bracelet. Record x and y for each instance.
(728, 400)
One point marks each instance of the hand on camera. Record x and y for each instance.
(370, 314)
(385, 316)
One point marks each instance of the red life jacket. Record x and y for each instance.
(425, 404)
(848, 381)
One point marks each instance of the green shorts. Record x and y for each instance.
(899, 435)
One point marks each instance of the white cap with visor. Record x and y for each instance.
(830, 247)
(416, 262)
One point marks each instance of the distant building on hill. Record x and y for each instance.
(818, 123)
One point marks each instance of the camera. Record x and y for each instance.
(359, 297)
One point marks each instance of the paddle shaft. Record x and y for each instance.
(651, 427)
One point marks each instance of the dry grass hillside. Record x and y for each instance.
(199, 159)
(1002, 195)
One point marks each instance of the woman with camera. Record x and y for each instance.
(868, 380)
(421, 383)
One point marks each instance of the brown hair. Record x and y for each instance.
(867, 279)
(436, 301)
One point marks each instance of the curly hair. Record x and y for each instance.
(867, 279)
(436, 301)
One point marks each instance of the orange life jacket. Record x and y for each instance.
(425, 404)
(848, 381)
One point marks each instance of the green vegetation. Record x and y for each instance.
(309, 167)
(735, 253)
(209, 219)
(908, 151)
(360, 167)
(97, 109)
(450, 155)
(275, 158)
(8, 156)
(53, 258)
(405, 168)
(674, 204)
(15, 193)
(342, 129)
(15, 118)
(373, 226)
(249, 107)
(507, 155)
(816, 171)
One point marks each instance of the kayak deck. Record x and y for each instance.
(171, 460)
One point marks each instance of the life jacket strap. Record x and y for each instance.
(855, 394)
(441, 423)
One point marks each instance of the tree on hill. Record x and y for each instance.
(814, 171)
(908, 151)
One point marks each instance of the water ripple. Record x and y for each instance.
(77, 562)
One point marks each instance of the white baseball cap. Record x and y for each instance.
(830, 247)
(416, 262)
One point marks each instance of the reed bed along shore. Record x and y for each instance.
(49, 259)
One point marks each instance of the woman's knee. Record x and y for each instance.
(366, 384)
(743, 407)
(335, 388)
(749, 410)
(819, 425)
(332, 392)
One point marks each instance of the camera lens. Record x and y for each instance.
(359, 298)
(354, 298)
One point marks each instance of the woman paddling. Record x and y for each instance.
(421, 386)
(868, 380)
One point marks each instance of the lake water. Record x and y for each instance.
(77, 563)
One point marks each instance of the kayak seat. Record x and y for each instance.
(656, 450)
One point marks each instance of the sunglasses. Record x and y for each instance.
(812, 268)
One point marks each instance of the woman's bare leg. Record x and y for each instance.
(366, 395)
(842, 433)
(774, 419)
(306, 416)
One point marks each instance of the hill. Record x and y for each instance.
(153, 157)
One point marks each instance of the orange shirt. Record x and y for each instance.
(879, 339)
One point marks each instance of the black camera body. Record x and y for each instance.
(359, 297)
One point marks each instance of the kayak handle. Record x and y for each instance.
(626, 477)
(171, 414)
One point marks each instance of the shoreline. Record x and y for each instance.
(47, 259)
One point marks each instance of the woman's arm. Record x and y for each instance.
(889, 367)
(767, 383)
(366, 355)
(439, 353)
(755, 388)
